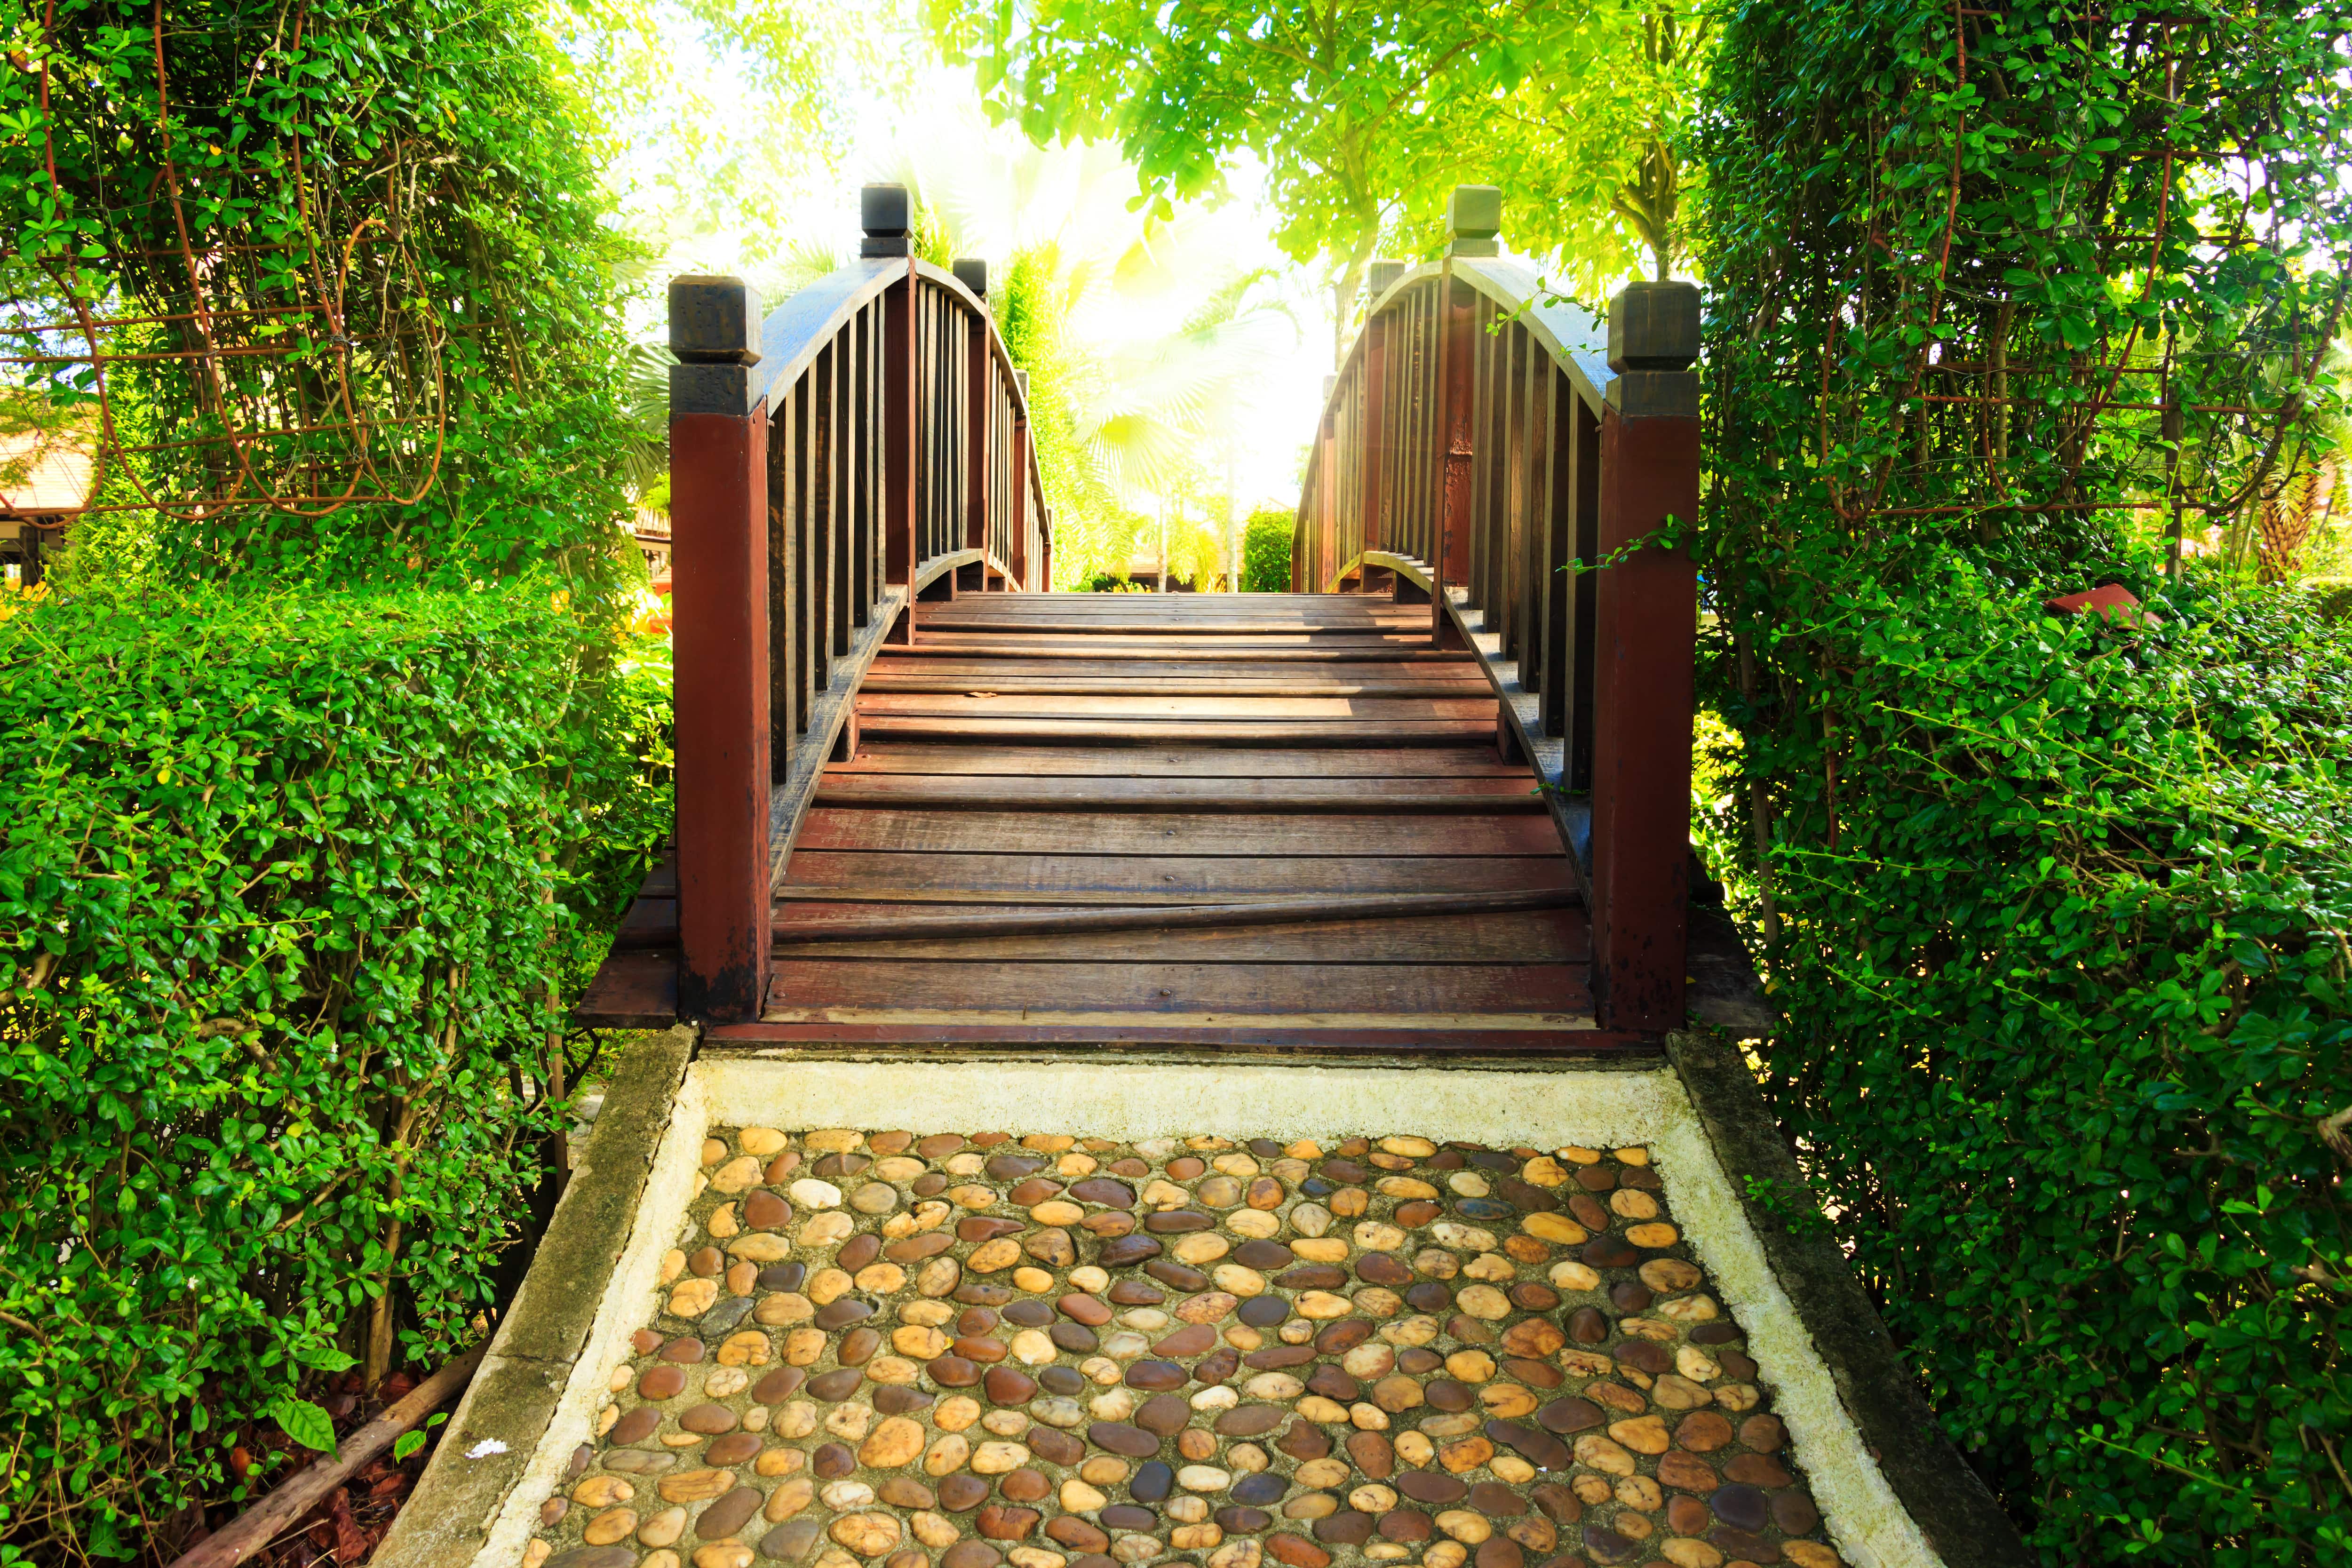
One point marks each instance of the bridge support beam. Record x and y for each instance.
(719, 501)
(1645, 626)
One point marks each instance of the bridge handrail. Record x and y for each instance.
(1476, 445)
(863, 445)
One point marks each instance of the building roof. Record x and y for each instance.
(45, 473)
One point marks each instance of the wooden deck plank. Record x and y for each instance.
(1216, 707)
(1197, 731)
(1329, 996)
(1557, 936)
(1054, 878)
(1196, 836)
(1425, 764)
(1125, 790)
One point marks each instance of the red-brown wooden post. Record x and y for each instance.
(1475, 215)
(1645, 623)
(718, 506)
(1369, 429)
(883, 213)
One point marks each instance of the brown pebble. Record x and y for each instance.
(834, 1387)
(857, 1252)
(1558, 1503)
(685, 1351)
(1412, 1216)
(998, 1522)
(1303, 1440)
(661, 1382)
(1763, 1432)
(1346, 1527)
(1757, 1470)
(905, 1491)
(706, 1262)
(1373, 1455)
(1157, 1374)
(732, 1450)
(953, 1372)
(1004, 1385)
(1794, 1512)
(1056, 1448)
(1434, 1487)
(1083, 1309)
(1500, 1552)
(1164, 1413)
(1704, 1431)
(1405, 1524)
(1185, 1168)
(1684, 1473)
(832, 1461)
(1191, 1340)
(635, 1427)
(729, 1514)
(1069, 1529)
(1296, 1551)
(960, 1493)
(970, 1554)
(1024, 1485)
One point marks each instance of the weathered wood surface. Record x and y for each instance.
(1036, 776)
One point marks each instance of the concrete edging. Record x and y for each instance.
(542, 1347)
(1946, 1498)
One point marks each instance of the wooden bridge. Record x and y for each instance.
(1436, 799)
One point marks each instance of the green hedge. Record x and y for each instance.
(2061, 910)
(289, 881)
(1266, 550)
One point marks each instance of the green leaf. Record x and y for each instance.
(305, 1423)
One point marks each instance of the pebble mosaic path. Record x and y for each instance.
(886, 1351)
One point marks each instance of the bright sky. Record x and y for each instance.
(725, 180)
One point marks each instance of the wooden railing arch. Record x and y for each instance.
(1477, 444)
(863, 446)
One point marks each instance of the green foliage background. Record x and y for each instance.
(290, 883)
(314, 825)
(2054, 909)
(1266, 550)
(285, 133)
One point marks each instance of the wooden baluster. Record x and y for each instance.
(1647, 612)
(1019, 462)
(719, 499)
(882, 214)
(973, 273)
(1474, 214)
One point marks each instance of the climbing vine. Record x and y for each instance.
(2007, 301)
(321, 283)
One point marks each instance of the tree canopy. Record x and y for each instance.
(1365, 115)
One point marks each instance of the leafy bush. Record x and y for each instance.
(2060, 908)
(429, 156)
(1266, 550)
(293, 888)
(2053, 907)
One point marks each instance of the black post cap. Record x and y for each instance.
(714, 321)
(1654, 326)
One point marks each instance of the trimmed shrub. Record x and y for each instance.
(1266, 550)
(293, 889)
(2060, 907)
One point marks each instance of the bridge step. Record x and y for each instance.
(1037, 773)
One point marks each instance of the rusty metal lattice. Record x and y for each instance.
(254, 329)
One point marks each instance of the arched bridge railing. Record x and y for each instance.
(1476, 446)
(863, 446)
